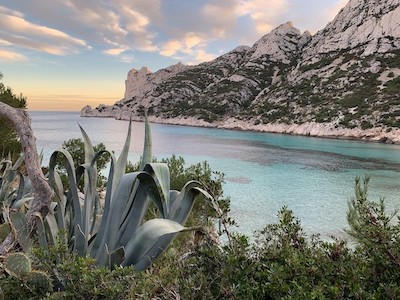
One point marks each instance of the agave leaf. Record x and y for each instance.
(117, 169)
(89, 150)
(161, 176)
(118, 204)
(147, 156)
(182, 202)
(150, 186)
(72, 180)
(87, 212)
(116, 257)
(107, 207)
(52, 228)
(7, 191)
(61, 200)
(89, 155)
(149, 241)
(122, 159)
(41, 231)
(18, 163)
(18, 204)
(136, 209)
(58, 186)
(21, 186)
(80, 244)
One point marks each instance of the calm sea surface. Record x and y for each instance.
(312, 176)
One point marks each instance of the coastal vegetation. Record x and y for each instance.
(60, 253)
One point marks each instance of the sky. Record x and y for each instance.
(65, 54)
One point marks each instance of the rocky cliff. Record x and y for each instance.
(342, 82)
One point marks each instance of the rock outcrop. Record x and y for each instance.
(342, 82)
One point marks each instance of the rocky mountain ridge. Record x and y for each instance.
(342, 82)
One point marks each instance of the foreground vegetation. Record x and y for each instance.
(282, 262)
(64, 258)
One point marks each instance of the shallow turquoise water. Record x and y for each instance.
(312, 176)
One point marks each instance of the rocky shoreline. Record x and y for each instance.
(312, 129)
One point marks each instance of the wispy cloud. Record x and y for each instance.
(7, 55)
(190, 48)
(264, 14)
(16, 31)
(184, 30)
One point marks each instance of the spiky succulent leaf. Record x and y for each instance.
(117, 170)
(41, 230)
(116, 257)
(147, 156)
(182, 202)
(161, 176)
(52, 228)
(134, 213)
(89, 149)
(118, 205)
(120, 165)
(72, 180)
(148, 242)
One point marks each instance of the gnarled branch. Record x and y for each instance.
(20, 122)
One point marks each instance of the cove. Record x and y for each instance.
(312, 176)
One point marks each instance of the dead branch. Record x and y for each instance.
(20, 122)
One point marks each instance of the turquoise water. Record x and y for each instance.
(312, 176)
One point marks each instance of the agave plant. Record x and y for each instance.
(14, 188)
(15, 197)
(119, 233)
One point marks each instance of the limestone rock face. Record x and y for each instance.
(344, 80)
(372, 24)
(139, 83)
(281, 44)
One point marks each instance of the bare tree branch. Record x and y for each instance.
(20, 122)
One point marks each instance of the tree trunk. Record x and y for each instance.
(21, 123)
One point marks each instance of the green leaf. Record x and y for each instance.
(89, 150)
(41, 231)
(134, 213)
(19, 222)
(147, 156)
(122, 159)
(161, 176)
(116, 257)
(117, 170)
(52, 228)
(182, 202)
(89, 157)
(149, 241)
(118, 205)
(72, 180)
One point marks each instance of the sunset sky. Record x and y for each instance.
(64, 54)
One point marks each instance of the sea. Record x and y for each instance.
(314, 177)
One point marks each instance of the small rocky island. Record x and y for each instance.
(342, 82)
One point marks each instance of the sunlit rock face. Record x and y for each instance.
(373, 26)
(343, 81)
